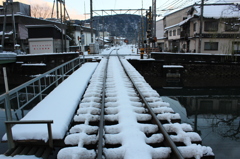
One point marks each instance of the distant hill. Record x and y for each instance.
(124, 25)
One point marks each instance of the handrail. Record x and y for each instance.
(38, 86)
(9, 130)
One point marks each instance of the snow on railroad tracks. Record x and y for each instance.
(128, 133)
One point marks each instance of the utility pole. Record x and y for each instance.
(14, 27)
(200, 27)
(61, 16)
(13, 23)
(57, 9)
(91, 21)
(154, 20)
(4, 24)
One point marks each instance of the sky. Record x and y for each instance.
(80, 9)
(77, 8)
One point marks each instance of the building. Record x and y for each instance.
(103, 34)
(160, 35)
(18, 8)
(220, 29)
(47, 38)
(82, 37)
(22, 19)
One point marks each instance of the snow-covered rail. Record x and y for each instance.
(129, 129)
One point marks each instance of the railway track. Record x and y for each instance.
(121, 116)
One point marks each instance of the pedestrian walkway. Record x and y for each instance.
(58, 106)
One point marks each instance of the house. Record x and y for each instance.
(107, 41)
(103, 34)
(160, 35)
(82, 37)
(220, 29)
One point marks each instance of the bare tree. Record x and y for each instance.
(41, 11)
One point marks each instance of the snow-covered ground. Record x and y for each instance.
(122, 105)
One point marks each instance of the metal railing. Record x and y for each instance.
(33, 90)
(9, 124)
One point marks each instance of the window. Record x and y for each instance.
(178, 31)
(170, 33)
(211, 26)
(231, 27)
(211, 46)
(195, 27)
(174, 32)
(236, 47)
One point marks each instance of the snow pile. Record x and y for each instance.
(89, 110)
(196, 151)
(182, 135)
(58, 106)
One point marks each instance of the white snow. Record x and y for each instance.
(172, 66)
(122, 106)
(195, 151)
(19, 157)
(58, 106)
(34, 64)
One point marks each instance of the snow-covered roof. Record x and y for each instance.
(219, 11)
(213, 11)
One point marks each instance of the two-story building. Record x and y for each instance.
(220, 29)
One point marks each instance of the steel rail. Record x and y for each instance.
(167, 138)
(101, 122)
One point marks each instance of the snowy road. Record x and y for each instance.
(128, 131)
